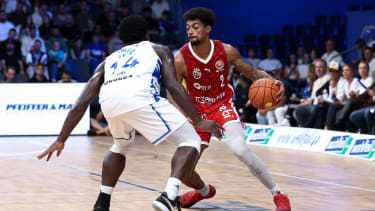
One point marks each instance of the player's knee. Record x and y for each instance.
(118, 148)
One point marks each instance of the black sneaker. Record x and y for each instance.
(162, 203)
(103, 202)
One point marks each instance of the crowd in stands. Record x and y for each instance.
(53, 38)
(320, 91)
(63, 41)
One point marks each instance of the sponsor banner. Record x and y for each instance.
(339, 144)
(39, 109)
(363, 148)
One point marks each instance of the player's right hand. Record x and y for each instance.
(211, 126)
(55, 146)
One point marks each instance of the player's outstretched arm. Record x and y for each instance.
(179, 94)
(88, 94)
(247, 70)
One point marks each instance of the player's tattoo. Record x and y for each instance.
(249, 71)
(258, 171)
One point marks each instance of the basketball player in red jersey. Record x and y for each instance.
(204, 64)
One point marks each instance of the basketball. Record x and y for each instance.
(263, 93)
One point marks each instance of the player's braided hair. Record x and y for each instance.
(205, 15)
(133, 28)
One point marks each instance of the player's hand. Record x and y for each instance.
(55, 146)
(211, 126)
(281, 92)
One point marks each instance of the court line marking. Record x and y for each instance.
(273, 173)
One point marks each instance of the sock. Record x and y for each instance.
(205, 190)
(103, 200)
(173, 186)
(274, 190)
(106, 189)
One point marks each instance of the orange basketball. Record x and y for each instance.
(263, 93)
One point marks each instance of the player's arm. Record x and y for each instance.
(181, 73)
(88, 94)
(180, 95)
(247, 70)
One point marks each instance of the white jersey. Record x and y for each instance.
(131, 79)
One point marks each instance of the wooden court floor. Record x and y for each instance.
(314, 181)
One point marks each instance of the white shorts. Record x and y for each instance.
(155, 122)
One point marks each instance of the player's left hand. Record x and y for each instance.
(281, 92)
(55, 146)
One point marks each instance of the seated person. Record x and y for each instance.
(39, 76)
(66, 77)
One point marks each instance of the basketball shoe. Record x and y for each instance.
(103, 202)
(190, 198)
(282, 202)
(163, 203)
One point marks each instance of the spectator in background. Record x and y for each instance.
(11, 38)
(366, 80)
(314, 54)
(305, 109)
(369, 58)
(291, 72)
(88, 32)
(300, 54)
(28, 41)
(17, 17)
(34, 57)
(360, 44)
(45, 28)
(363, 114)
(5, 26)
(77, 51)
(158, 7)
(111, 26)
(59, 18)
(124, 12)
(336, 108)
(70, 31)
(270, 64)
(83, 15)
(138, 5)
(251, 59)
(334, 92)
(66, 77)
(167, 27)
(115, 43)
(39, 75)
(57, 58)
(10, 75)
(95, 52)
(39, 13)
(56, 37)
(332, 54)
(10, 57)
(152, 23)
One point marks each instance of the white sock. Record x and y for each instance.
(173, 186)
(106, 189)
(205, 190)
(274, 190)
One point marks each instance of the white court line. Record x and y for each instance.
(145, 191)
(274, 173)
(19, 153)
(240, 167)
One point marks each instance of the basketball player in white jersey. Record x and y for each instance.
(128, 86)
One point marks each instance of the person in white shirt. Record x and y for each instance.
(28, 41)
(369, 58)
(251, 59)
(335, 108)
(158, 7)
(270, 64)
(331, 53)
(304, 110)
(360, 86)
(5, 26)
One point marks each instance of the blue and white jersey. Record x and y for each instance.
(131, 79)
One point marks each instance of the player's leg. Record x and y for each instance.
(236, 141)
(183, 163)
(114, 161)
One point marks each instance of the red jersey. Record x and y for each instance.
(206, 80)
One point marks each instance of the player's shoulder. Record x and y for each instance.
(178, 57)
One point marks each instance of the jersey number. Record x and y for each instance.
(130, 63)
(222, 80)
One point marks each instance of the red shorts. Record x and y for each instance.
(224, 114)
